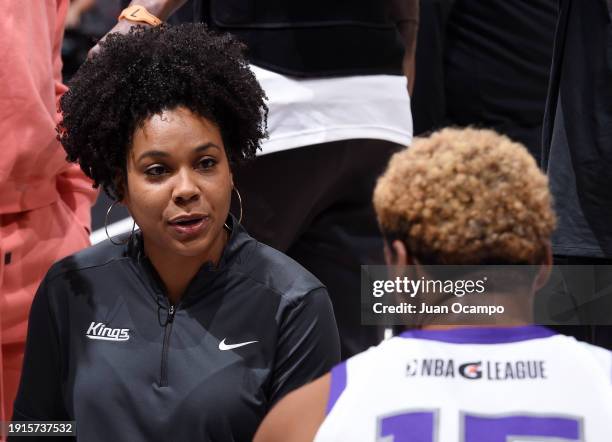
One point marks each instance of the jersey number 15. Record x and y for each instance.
(422, 426)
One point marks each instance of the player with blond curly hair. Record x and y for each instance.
(460, 197)
(466, 197)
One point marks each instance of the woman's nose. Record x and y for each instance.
(186, 188)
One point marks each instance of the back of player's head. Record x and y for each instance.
(466, 196)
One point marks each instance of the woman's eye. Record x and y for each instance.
(155, 170)
(207, 163)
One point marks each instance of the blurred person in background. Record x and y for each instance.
(44, 201)
(428, 99)
(497, 61)
(337, 76)
(577, 156)
(493, 60)
(506, 381)
(86, 22)
(76, 10)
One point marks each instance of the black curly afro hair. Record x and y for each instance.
(138, 75)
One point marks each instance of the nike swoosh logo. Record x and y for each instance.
(223, 346)
(133, 14)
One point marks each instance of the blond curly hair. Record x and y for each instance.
(466, 196)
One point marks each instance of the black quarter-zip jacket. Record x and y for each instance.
(106, 349)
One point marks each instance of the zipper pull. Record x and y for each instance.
(171, 312)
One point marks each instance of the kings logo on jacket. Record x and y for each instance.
(98, 330)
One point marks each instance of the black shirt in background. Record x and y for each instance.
(577, 135)
(497, 63)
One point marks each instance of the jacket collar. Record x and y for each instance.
(207, 276)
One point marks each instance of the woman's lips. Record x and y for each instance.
(190, 227)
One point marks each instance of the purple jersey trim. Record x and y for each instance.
(336, 386)
(482, 335)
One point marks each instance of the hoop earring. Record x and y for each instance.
(240, 205)
(106, 227)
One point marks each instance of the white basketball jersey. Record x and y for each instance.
(511, 384)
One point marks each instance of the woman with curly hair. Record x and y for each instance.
(188, 329)
(462, 197)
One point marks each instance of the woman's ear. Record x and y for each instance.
(120, 186)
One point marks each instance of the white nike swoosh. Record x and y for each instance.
(223, 346)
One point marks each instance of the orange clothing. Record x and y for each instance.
(33, 169)
(35, 239)
(45, 202)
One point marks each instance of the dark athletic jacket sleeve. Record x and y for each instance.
(308, 345)
(39, 396)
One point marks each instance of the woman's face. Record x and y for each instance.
(179, 185)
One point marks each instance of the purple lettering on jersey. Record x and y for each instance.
(417, 426)
(337, 385)
(421, 426)
(498, 429)
(482, 335)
